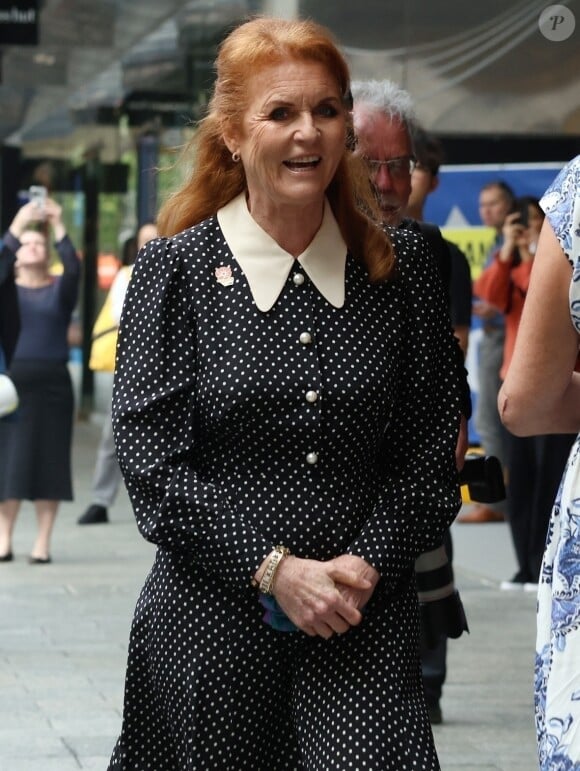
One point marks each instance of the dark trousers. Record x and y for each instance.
(535, 467)
(434, 660)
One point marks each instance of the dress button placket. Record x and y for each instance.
(311, 396)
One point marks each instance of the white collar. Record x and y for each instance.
(267, 266)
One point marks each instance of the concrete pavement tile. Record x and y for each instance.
(8, 678)
(40, 764)
(105, 723)
(16, 700)
(111, 688)
(96, 763)
(41, 685)
(93, 746)
(495, 702)
(518, 766)
(50, 659)
(21, 592)
(113, 697)
(98, 657)
(21, 640)
(15, 720)
(460, 764)
(65, 713)
(488, 719)
(487, 744)
(26, 744)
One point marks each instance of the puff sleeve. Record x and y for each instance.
(154, 423)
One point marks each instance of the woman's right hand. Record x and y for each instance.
(512, 230)
(309, 593)
(27, 214)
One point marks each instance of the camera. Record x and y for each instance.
(483, 476)
(38, 194)
(442, 612)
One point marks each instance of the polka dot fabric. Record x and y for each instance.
(329, 430)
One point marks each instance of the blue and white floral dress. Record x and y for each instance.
(557, 676)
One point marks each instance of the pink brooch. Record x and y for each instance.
(224, 276)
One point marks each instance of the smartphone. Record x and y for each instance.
(523, 210)
(37, 194)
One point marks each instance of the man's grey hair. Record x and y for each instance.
(387, 97)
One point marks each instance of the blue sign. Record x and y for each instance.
(456, 200)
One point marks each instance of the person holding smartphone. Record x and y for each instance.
(534, 463)
(35, 446)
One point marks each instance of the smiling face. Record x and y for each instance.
(291, 138)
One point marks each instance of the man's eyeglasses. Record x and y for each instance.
(397, 167)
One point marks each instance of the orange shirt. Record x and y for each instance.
(505, 287)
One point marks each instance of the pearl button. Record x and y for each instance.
(311, 396)
(312, 458)
(305, 338)
(298, 279)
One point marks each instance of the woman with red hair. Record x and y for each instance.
(286, 410)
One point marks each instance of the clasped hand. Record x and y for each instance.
(323, 598)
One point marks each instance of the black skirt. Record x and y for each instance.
(35, 442)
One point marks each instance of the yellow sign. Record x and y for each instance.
(474, 242)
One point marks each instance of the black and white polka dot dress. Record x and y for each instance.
(328, 430)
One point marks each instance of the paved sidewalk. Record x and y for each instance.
(64, 630)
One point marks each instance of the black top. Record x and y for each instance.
(452, 272)
(460, 287)
(46, 311)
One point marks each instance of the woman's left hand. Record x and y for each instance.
(53, 212)
(310, 593)
(358, 598)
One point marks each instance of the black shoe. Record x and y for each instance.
(39, 560)
(94, 515)
(8, 557)
(435, 714)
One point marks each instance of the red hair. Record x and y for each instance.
(216, 178)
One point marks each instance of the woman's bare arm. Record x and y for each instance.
(541, 392)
